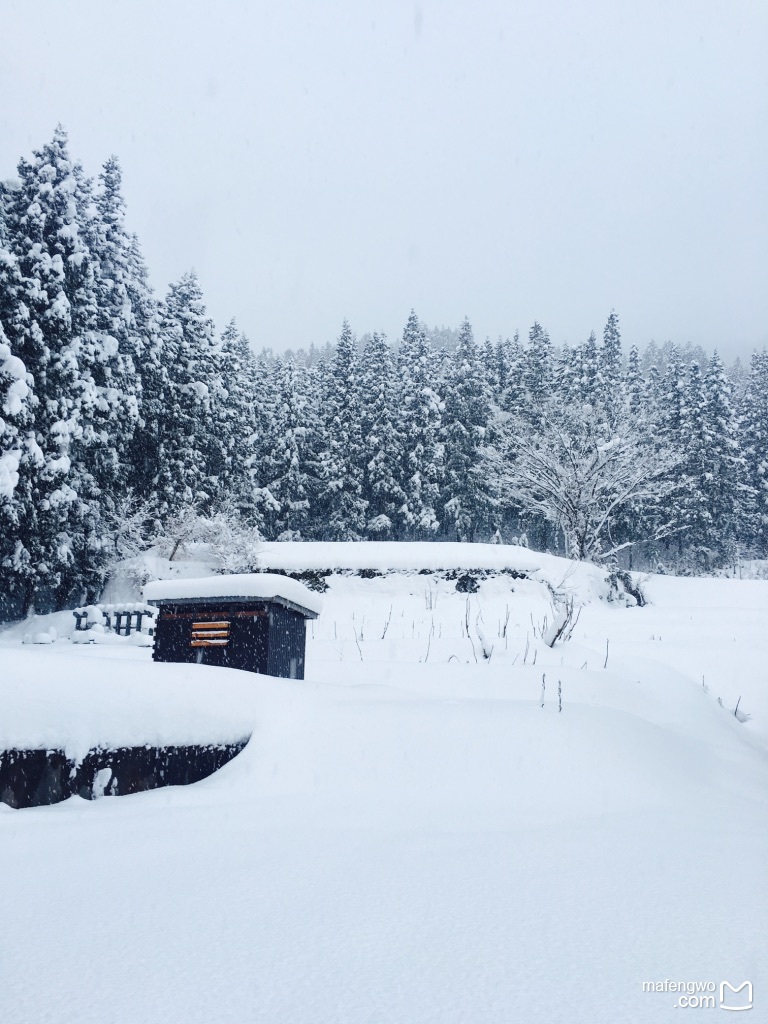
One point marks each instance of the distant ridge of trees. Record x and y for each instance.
(118, 407)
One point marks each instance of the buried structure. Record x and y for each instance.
(255, 622)
(250, 621)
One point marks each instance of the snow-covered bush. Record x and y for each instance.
(221, 538)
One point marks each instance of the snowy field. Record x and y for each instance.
(409, 837)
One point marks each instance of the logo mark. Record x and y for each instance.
(734, 991)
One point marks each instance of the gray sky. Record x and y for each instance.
(505, 160)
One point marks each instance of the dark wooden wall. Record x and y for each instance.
(287, 643)
(263, 637)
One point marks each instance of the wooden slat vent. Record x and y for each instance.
(210, 634)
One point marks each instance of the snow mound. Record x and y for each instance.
(581, 580)
(57, 697)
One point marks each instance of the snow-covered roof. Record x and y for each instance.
(264, 586)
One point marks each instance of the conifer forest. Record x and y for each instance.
(128, 420)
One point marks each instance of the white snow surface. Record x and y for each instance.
(410, 837)
(262, 585)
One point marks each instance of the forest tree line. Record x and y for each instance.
(124, 418)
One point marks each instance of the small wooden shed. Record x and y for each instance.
(251, 621)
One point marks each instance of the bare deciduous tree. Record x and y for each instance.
(582, 472)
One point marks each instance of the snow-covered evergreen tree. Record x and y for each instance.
(190, 382)
(589, 371)
(123, 324)
(465, 495)
(754, 443)
(234, 417)
(381, 444)
(634, 384)
(56, 337)
(144, 457)
(282, 492)
(694, 513)
(724, 482)
(418, 429)
(490, 369)
(16, 418)
(710, 503)
(609, 383)
(513, 371)
(539, 371)
(671, 402)
(341, 506)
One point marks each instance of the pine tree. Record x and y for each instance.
(16, 443)
(190, 384)
(694, 514)
(609, 385)
(123, 323)
(341, 504)
(589, 371)
(565, 378)
(147, 345)
(724, 482)
(490, 369)
(538, 373)
(754, 443)
(283, 491)
(513, 394)
(381, 444)
(672, 401)
(634, 384)
(710, 505)
(56, 337)
(418, 428)
(233, 418)
(465, 496)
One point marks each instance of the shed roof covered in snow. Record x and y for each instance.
(261, 586)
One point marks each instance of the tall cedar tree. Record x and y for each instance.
(341, 504)
(466, 502)
(56, 337)
(381, 443)
(190, 386)
(754, 444)
(282, 496)
(418, 426)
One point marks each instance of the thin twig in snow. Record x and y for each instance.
(357, 643)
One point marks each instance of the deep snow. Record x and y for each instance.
(409, 836)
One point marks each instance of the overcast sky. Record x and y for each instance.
(503, 160)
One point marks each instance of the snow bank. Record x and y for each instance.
(581, 580)
(57, 697)
(263, 586)
(402, 555)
